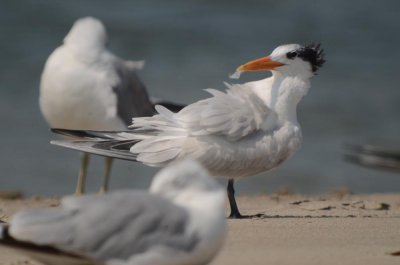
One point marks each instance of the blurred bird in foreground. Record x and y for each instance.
(251, 128)
(373, 156)
(84, 86)
(180, 221)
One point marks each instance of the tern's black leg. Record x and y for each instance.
(235, 214)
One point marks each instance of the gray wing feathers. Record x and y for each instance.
(120, 224)
(90, 134)
(33, 226)
(157, 225)
(132, 98)
(100, 147)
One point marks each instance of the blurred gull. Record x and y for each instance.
(251, 128)
(373, 156)
(84, 86)
(180, 221)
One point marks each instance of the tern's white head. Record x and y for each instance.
(186, 176)
(290, 60)
(87, 33)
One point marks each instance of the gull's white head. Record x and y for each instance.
(87, 33)
(289, 59)
(183, 176)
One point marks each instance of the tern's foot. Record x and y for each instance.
(237, 215)
(251, 216)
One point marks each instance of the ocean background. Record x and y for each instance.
(192, 45)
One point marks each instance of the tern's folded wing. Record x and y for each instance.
(235, 114)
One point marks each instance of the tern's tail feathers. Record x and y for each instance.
(158, 151)
(91, 134)
(108, 148)
(164, 138)
(144, 143)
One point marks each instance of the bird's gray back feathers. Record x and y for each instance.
(120, 224)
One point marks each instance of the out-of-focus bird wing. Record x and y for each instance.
(132, 97)
(118, 225)
(373, 156)
(44, 254)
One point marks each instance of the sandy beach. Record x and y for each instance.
(336, 228)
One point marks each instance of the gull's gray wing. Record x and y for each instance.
(132, 97)
(114, 226)
(373, 156)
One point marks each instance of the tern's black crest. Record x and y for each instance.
(312, 53)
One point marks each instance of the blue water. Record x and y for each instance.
(192, 45)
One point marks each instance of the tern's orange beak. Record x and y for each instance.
(262, 64)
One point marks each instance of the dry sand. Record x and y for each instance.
(290, 229)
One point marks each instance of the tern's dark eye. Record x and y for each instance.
(291, 55)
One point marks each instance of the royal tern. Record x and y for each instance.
(251, 128)
(180, 221)
(373, 157)
(84, 86)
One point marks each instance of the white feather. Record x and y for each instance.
(236, 74)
